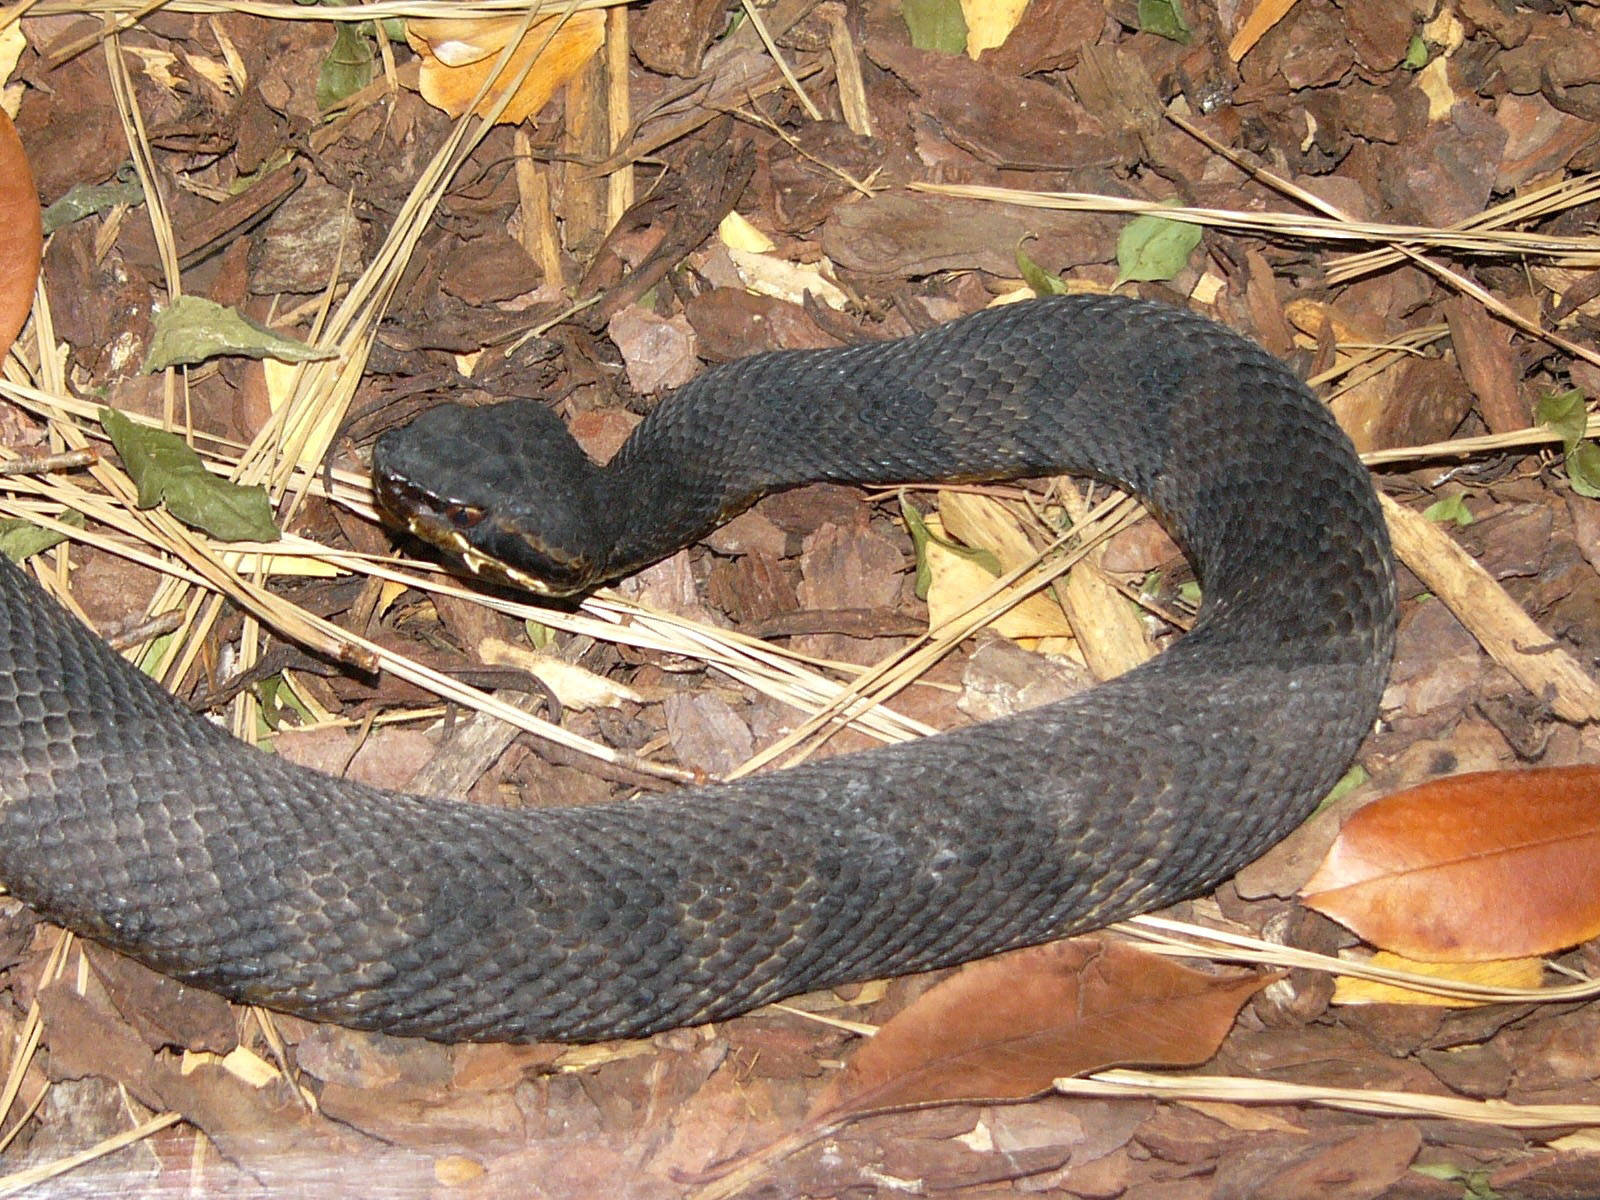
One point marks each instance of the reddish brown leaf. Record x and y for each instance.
(20, 237)
(1498, 864)
(1005, 1027)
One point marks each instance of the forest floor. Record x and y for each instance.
(1399, 199)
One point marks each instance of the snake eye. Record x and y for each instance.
(465, 516)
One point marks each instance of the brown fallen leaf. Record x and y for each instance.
(1005, 1027)
(1498, 864)
(20, 237)
(458, 52)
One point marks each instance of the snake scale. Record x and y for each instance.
(137, 823)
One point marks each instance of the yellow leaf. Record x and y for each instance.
(453, 1170)
(281, 379)
(573, 685)
(1309, 316)
(458, 53)
(990, 22)
(1434, 80)
(244, 1065)
(1498, 972)
(1445, 31)
(249, 1067)
(388, 593)
(769, 275)
(1207, 288)
(956, 581)
(12, 44)
(738, 234)
(988, 524)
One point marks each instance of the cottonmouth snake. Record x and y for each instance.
(150, 829)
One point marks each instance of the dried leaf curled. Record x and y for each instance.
(458, 52)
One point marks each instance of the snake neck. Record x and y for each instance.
(1118, 389)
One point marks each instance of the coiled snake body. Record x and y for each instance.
(127, 818)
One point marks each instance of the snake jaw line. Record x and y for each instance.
(480, 564)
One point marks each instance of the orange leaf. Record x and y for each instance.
(20, 238)
(1498, 864)
(1005, 1027)
(458, 53)
(1263, 17)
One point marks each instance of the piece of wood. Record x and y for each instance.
(1509, 634)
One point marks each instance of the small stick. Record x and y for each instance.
(1498, 622)
(45, 464)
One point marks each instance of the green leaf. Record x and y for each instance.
(1189, 593)
(154, 654)
(90, 199)
(168, 471)
(1165, 17)
(1566, 413)
(1450, 508)
(540, 635)
(1583, 470)
(21, 539)
(192, 329)
(936, 25)
(1154, 248)
(921, 536)
(277, 702)
(1036, 277)
(348, 67)
(1474, 1181)
(1416, 54)
(1348, 782)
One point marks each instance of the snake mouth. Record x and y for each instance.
(464, 529)
(439, 534)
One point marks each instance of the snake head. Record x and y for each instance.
(503, 487)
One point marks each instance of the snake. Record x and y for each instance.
(146, 827)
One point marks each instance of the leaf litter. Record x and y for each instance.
(1457, 151)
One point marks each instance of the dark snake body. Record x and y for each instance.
(147, 828)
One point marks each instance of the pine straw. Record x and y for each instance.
(1483, 235)
(1406, 241)
(286, 453)
(287, 10)
(1235, 1090)
(19, 1181)
(1183, 939)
